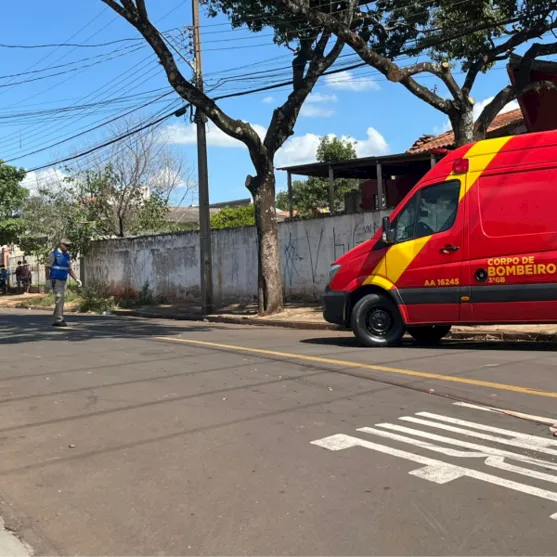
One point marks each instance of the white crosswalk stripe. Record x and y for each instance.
(533, 466)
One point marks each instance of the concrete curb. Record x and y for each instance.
(225, 319)
(43, 308)
(11, 545)
(509, 336)
(457, 334)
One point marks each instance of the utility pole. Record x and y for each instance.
(203, 178)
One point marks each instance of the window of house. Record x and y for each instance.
(430, 210)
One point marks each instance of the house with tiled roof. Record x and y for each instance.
(508, 123)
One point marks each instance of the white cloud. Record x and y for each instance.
(298, 150)
(314, 111)
(187, 135)
(51, 179)
(347, 82)
(374, 145)
(303, 149)
(478, 107)
(446, 127)
(321, 98)
(268, 100)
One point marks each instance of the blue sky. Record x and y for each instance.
(381, 116)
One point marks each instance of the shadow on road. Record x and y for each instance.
(18, 329)
(352, 342)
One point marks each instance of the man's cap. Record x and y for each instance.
(65, 241)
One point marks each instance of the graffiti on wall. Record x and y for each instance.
(345, 241)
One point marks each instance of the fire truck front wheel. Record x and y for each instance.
(376, 321)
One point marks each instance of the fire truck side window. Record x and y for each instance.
(430, 211)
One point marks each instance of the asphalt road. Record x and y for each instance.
(147, 437)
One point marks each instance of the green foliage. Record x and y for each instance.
(332, 149)
(12, 198)
(146, 297)
(231, 217)
(90, 205)
(459, 32)
(259, 14)
(489, 21)
(311, 197)
(95, 298)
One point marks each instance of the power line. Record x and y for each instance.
(69, 39)
(140, 67)
(176, 113)
(81, 60)
(108, 122)
(70, 45)
(142, 78)
(65, 72)
(289, 82)
(61, 110)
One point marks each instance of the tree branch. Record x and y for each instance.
(117, 8)
(235, 128)
(505, 96)
(284, 117)
(142, 9)
(130, 6)
(508, 46)
(386, 66)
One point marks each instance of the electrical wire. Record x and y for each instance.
(79, 69)
(289, 82)
(141, 79)
(103, 124)
(112, 141)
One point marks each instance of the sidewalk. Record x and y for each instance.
(307, 316)
(303, 316)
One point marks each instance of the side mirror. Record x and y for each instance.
(388, 233)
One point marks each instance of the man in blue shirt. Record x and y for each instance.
(58, 268)
(4, 278)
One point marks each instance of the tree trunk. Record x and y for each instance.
(463, 125)
(262, 188)
(121, 231)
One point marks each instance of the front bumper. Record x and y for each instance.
(334, 307)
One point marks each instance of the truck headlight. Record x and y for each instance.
(333, 270)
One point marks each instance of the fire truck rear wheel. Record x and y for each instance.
(376, 321)
(429, 334)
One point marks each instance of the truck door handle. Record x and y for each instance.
(449, 249)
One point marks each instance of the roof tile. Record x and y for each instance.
(446, 140)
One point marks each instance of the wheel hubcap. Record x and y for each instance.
(379, 322)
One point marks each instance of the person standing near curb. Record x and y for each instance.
(26, 277)
(19, 277)
(4, 279)
(58, 268)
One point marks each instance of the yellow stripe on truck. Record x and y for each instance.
(480, 156)
(401, 255)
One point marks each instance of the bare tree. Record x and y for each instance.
(124, 190)
(313, 55)
(475, 33)
(130, 187)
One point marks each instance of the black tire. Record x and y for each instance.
(376, 321)
(429, 334)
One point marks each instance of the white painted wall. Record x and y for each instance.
(170, 262)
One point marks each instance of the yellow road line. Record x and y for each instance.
(372, 367)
